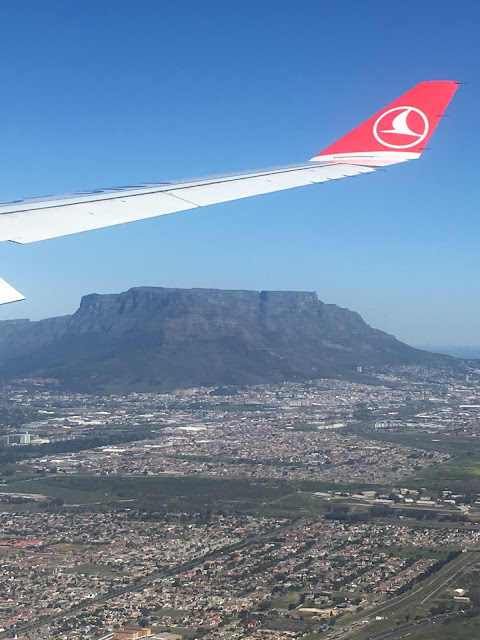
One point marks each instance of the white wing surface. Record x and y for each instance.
(395, 134)
(32, 220)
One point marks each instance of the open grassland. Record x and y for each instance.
(294, 503)
(173, 494)
(461, 474)
(169, 613)
(177, 494)
(444, 443)
(464, 630)
(63, 488)
(91, 569)
(185, 632)
(11, 551)
(71, 547)
(415, 552)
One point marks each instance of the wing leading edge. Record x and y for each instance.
(397, 133)
(32, 221)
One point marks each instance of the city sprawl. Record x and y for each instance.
(273, 511)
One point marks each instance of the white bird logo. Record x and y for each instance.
(399, 126)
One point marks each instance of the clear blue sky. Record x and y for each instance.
(104, 93)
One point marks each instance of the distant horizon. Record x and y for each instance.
(469, 352)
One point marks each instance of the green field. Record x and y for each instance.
(443, 443)
(414, 552)
(10, 551)
(64, 488)
(169, 613)
(186, 632)
(296, 503)
(282, 601)
(90, 569)
(464, 630)
(177, 494)
(461, 474)
(165, 493)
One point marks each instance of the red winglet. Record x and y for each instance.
(399, 131)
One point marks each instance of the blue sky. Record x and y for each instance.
(123, 92)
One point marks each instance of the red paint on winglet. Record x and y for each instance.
(404, 125)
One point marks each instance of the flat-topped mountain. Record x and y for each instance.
(152, 338)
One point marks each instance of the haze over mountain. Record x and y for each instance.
(152, 338)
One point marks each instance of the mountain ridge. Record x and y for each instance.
(155, 338)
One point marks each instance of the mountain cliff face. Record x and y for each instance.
(151, 338)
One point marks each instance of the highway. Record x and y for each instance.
(420, 594)
(405, 630)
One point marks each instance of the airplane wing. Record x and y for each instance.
(397, 133)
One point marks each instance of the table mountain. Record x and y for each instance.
(152, 338)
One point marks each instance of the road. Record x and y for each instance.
(428, 588)
(420, 594)
(405, 630)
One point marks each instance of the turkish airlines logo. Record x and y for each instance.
(401, 127)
